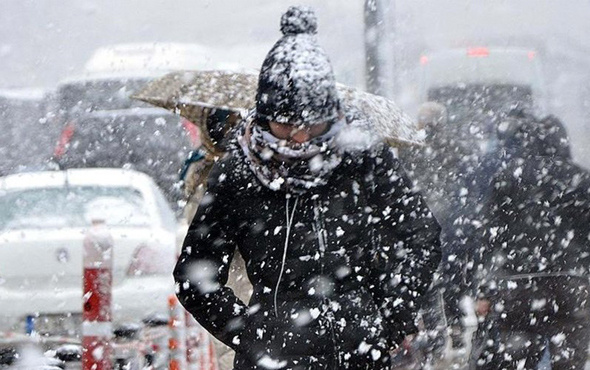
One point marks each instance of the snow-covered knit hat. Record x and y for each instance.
(296, 83)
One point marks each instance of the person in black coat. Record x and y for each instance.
(338, 247)
(536, 254)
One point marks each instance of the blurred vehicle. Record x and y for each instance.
(478, 85)
(43, 218)
(103, 127)
(21, 112)
(155, 58)
(482, 65)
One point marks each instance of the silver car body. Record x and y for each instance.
(41, 249)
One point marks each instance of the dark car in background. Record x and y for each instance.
(479, 85)
(101, 126)
(26, 137)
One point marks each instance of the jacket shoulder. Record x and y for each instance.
(232, 172)
(380, 161)
(380, 156)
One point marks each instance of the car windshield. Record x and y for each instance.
(72, 207)
(107, 94)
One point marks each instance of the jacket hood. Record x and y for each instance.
(525, 135)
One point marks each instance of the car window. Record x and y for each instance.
(72, 207)
(150, 143)
(92, 95)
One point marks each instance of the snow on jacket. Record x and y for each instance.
(538, 215)
(338, 271)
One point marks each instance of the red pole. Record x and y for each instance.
(200, 347)
(97, 328)
(213, 365)
(193, 342)
(177, 341)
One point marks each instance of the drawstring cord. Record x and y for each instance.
(289, 223)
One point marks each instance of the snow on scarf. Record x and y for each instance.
(280, 165)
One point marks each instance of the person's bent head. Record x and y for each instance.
(297, 100)
(431, 114)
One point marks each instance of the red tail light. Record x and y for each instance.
(423, 60)
(531, 55)
(150, 261)
(479, 52)
(64, 140)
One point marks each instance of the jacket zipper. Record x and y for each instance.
(320, 231)
(289, 219)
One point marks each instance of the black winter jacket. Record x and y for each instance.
(538, 215)
(337, 272)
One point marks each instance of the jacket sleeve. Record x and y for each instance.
(406, 245)
(498, 213)
(202, 269)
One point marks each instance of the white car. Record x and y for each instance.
(43, 219)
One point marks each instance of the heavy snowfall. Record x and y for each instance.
(273, 185)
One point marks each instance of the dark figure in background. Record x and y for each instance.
(437, 169)
(214, 125)
(337, 245)
(535, 254)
